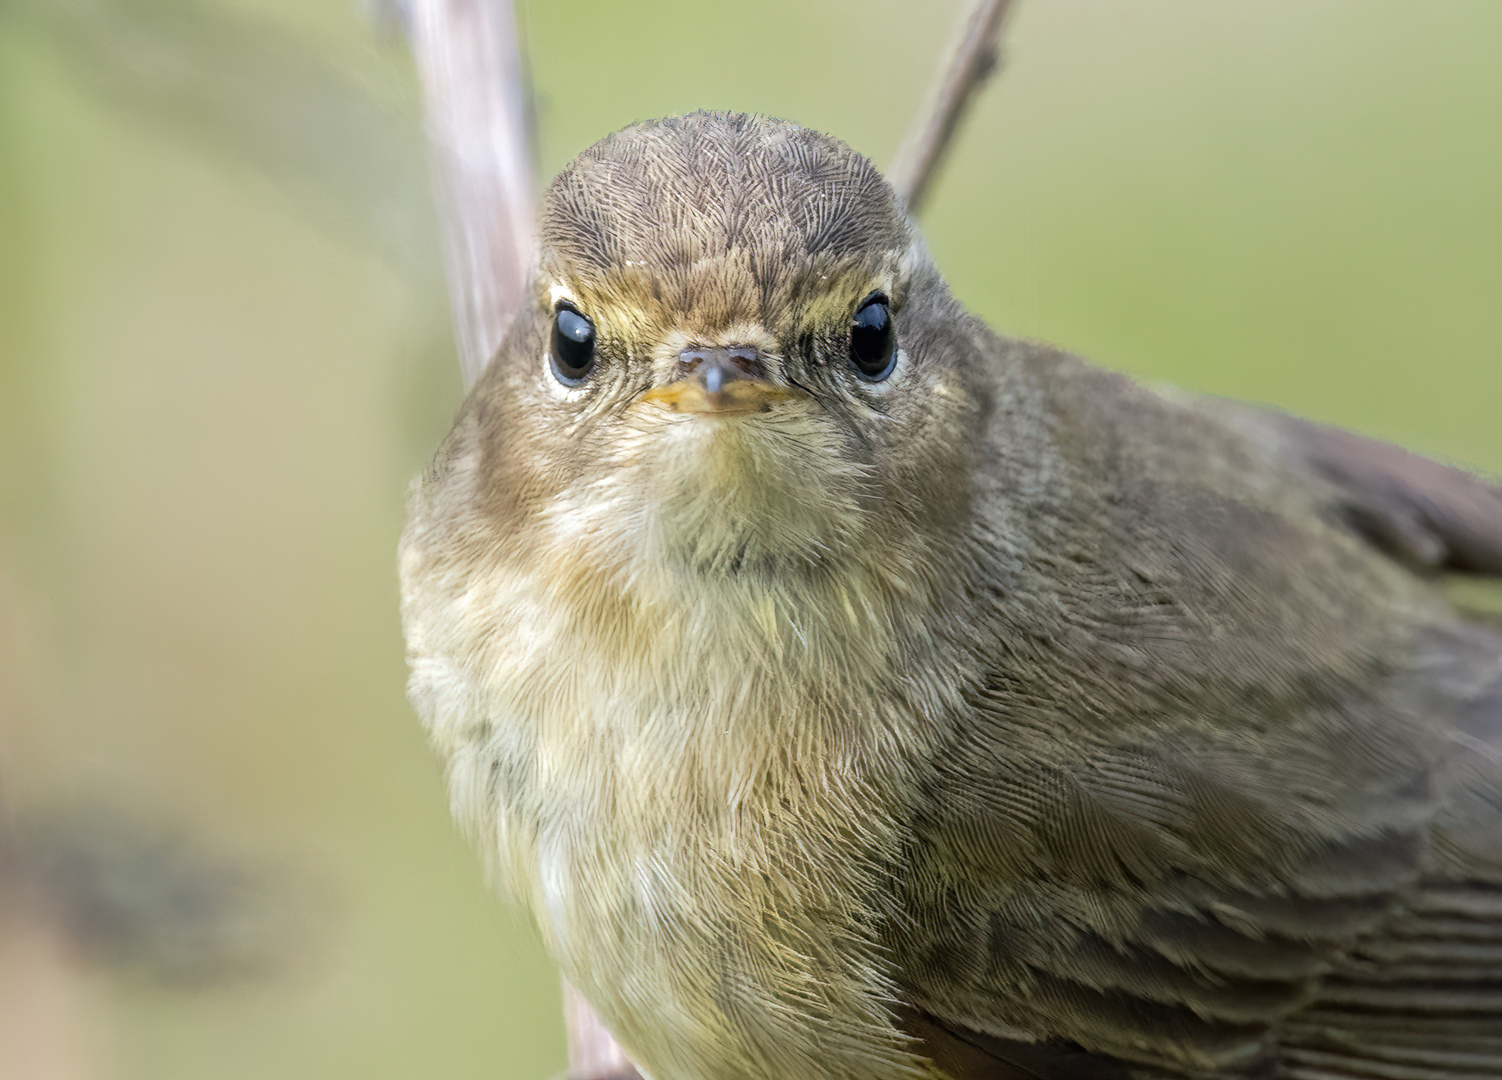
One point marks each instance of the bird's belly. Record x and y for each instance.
(705, 819)
(719, 940)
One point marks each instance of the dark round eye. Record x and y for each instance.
(873, 345)
(573, 348)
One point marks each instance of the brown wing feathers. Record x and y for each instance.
(1421, 998)
(1420, 1001)
(1376, 954)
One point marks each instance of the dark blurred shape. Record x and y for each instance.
(1418, 510)
(135, 895)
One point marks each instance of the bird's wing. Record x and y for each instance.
(1168, 906)
(1222, 772)
(1431, 516)
(1157, 905)
(1421, 998)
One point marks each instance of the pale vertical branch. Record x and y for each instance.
(971, 60)
(476, 108)
(592, 1053)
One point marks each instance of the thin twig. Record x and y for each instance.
(972, 58)
(475, 102)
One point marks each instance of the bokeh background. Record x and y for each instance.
(224, 351)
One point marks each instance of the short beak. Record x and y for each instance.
(720, 382)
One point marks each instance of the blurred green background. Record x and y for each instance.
(224, 351)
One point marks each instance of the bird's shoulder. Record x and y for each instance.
(1220, 738)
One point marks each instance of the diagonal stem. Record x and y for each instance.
(972, 59)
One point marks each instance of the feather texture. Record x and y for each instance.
(994, 719)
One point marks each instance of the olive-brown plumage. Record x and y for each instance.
(850, 692)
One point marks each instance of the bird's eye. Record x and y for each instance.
(873, 345)
(573, 348)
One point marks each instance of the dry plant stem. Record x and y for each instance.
(475, 103)
(592, 1053)
(970, 61)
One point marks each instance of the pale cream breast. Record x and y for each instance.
(653, 760)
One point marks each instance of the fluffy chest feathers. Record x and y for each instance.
(755, 704)
(661, 750)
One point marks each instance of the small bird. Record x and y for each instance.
(853, 693)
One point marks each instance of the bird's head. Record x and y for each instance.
(737, 358)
